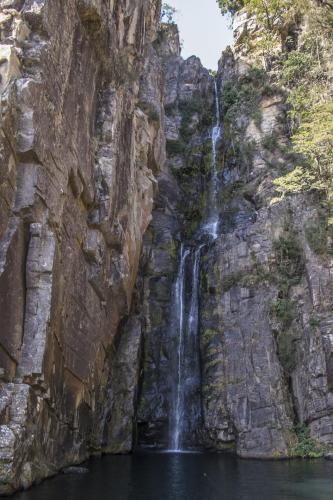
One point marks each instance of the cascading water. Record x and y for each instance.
(186, 410)
(211, 226)
(180, 307)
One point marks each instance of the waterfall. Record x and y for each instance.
(186, 411)
(211, 226)
(180, 307)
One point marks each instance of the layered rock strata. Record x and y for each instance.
(79, 155)
(266, 286)
(179, 208)
(265, 291)
(105, 145)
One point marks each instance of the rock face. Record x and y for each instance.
(105, 174)
(265, 289)
(177, 212)
(79, 152)
(265, 293)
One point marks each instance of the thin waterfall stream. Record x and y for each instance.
(186, 404)
(180, 306)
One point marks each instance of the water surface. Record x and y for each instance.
(188, 476)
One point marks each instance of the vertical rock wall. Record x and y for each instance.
(266, 293)
(265, 299)
(105, 144)
(178, 210)
(79, 154)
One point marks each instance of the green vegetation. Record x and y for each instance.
(171, 248)
(296, 66)
(242, 96)
(284, 311)
(240, 103)
(319, 236)
(290, 268)
(230, 6)
(208, 335)
(305, 74)
(272, 17)
(196, 118)
(270, 142)
(192, 178)
(290, 263)
(168, 14)
(296, 181)
(314, 321)
(306, 446)
(174, 148)
(150, 111)
(188, 109)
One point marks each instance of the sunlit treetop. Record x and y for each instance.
(230, 6)
(265, 8)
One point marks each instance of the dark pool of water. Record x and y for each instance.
(190, 477)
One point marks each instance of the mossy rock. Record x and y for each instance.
(318, 235)
(174, 148)
(286, 344)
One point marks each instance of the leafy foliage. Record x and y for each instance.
(306, 446)
(284, 311)
(319, 236)
(305, 73)
(188, 109)
(168, 13)
(290, 268)
(230, 6)
(296, 181)
(295, 67)
(271, 16)
(289, 257)
(242, 96)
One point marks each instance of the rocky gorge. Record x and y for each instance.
(158, 275)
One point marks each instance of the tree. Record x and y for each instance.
(230, 6)
(270, 14)
(167, 14)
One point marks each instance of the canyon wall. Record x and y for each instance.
(183, 189)
(266, 282)
(79, 153)
(105, 174)
(266, 289)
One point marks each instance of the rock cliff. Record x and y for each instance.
(266, 285)
(79, 155)
(105, 175)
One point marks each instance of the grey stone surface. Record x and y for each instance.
(78, 155)
(105, 156)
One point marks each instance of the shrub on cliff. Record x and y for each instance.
(306, 446)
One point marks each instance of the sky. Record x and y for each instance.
(203, 30)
